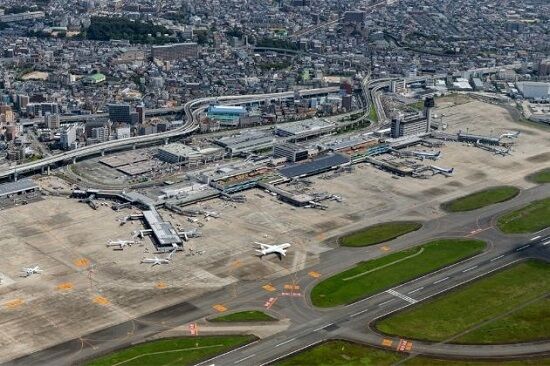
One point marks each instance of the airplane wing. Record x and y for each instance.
(171, 254)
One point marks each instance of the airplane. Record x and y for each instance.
(266, 249)
(444, 171)
(120, 243)
(30, 271)
(156, 260)
(213, 214)
(511, 135)
(428, 155)
(188, 234)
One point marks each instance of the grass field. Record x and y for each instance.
(244, 316)
(505, 307)
(370, 277)
(373, 116)
(379, 233)
(480, 199)
(344, 353)
(529, 219)
(174, 351)
(540, 177)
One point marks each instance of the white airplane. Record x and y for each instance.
(266, 249)
(444, 171)
(428, 155)
(188, 234)
(156, 260)
(120, 243)
(30, 271)
(213, 214)
(511, 135)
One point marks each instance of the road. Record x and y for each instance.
(310, 325)
(190, 125)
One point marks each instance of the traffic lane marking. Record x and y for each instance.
(285, 342)
(413, 291)
(243, 359)
(523, 247)
(441, 280)
(535, 238)
(358, 313)
(469, 269)
(495, 258)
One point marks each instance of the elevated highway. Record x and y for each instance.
(190, 126)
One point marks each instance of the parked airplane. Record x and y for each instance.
(30, 271)
(156, 260)
(188, 234)
(279, 250)
(120, 243)
(213, 214)
(444, 171)
(427, 155)
(511, 135)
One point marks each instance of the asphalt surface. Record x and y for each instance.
(311, 325)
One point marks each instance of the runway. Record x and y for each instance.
(310, 325)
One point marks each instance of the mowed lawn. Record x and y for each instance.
(344, 353)
(505, 307)
(481, 199)
(173, 351)
(370, 277)
(528, 219)
(379, 233)
(244, 316)
(540, 177)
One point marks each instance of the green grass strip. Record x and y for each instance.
(481, 199)
(244, 316)
(528, 219)
(379, 233)
(479, 307)
(405, 266)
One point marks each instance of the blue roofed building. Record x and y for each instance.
(228, 116)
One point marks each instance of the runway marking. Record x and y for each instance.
(358, 313)
(469, 269)
(100, 300)
(387, 342)
(160, 285)
(535, 238)
(269, 287)
(193, 329)
(219, 308)
(322, 327)
(13, 304)
(401, 296)
(65, 286)
(385, 248)
(495, 258)
(314, 274)
(290, 286)
(385, 302)
(441, 280)
(413, 291)
(546, 243)
(285, 342)
(243, 359)
(82, 262)
(404, 345)
(523, 247)
(269, 303)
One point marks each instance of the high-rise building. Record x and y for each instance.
(140, 109)
(52, 121)
(120, 113)
(68, 137)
